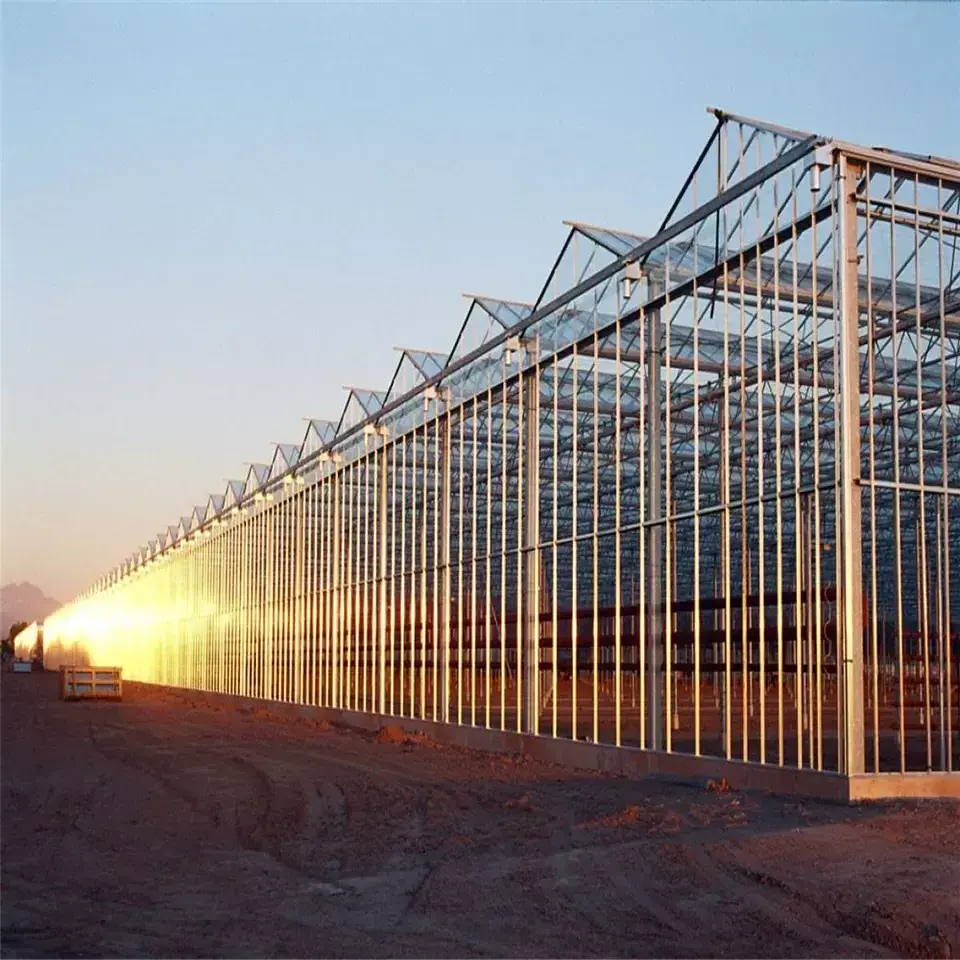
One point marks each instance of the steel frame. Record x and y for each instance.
(699, 498)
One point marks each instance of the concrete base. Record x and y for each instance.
(892, 786)
(625, 761)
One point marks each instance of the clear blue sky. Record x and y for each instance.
(216, 215)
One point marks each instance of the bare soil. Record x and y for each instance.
(163, 827)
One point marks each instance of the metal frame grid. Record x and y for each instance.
(700, 497)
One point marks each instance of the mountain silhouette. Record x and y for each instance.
(23, 601)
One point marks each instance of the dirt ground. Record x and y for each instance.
(162, 827)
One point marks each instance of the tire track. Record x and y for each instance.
(776, 902)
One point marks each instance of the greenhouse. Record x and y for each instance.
(700, 499)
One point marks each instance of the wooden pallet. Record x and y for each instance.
(91, 683)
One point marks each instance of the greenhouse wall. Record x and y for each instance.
(700, 499)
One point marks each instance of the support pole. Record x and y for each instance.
(531, 538)
(654, 516)
(382, 579)
(444, 507)
(852, 592)
(337, 698)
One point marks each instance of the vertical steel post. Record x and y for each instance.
(531, 536)
(443, 514)
(654, 516)
(850, 479)
(380, 673)
(336, 635)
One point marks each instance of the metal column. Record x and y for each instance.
(852, 586)
(531, 536)
(442, 575)
(654, 516)
(381, 671)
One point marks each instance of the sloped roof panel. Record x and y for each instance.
(319, 434)
(233, 493)
(257, 476)
(360, 405)
(285, 457)
(486, 318)
(197, 518)
(415, 367)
